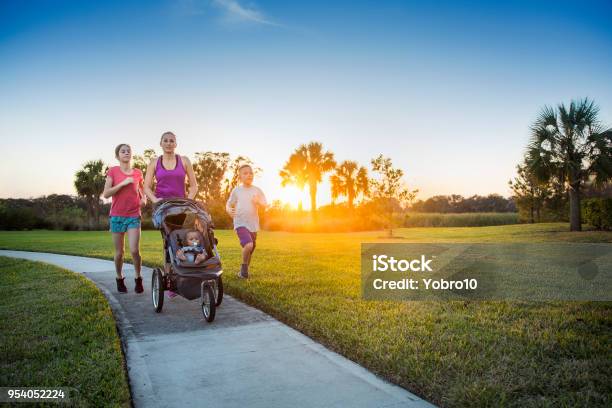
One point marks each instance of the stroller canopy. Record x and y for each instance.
(175, 206)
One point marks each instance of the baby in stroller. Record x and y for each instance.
(193, 251)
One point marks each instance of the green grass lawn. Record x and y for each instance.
(451, 353)
(58, 331)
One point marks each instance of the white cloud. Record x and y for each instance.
(236, 12)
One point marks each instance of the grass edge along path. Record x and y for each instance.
(58, 331)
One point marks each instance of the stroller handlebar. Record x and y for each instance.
(171, 206)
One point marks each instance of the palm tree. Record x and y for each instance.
(306, 165)
(89, 183)
(569, 146)
(349, 180)
(294, 172)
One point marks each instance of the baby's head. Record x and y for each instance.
(192, 238)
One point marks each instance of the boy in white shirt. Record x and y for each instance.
(242, 206)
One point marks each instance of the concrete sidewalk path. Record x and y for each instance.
(245, 358)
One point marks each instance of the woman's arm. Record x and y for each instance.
(193, 183)
(110, 190)
(148, 183)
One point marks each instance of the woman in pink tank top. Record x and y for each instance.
(170, 170)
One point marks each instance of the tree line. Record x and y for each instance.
(455, 203)
(377, 198)
(55, 211)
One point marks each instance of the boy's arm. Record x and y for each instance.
(230, 205)
(261, 199)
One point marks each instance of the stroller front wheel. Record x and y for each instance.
(208, 302)
(157, 290)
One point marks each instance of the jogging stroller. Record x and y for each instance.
(174, 218)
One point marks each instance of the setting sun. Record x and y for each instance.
(293, 196)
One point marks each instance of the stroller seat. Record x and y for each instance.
(177, 240)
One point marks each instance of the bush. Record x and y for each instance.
(597, 212)
(68, 219)
(146, 222)
(220, 217)
(19, 219)
(59, 212)
(556, 209)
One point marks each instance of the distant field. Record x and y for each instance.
(58, 331)
(340, 220)
(459, 219)
(451, 353)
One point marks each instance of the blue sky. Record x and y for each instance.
(446, 89)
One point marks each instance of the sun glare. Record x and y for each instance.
(293, 196)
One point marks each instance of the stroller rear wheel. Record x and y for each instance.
(208, 302)
(218, 291)
(157, 290)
